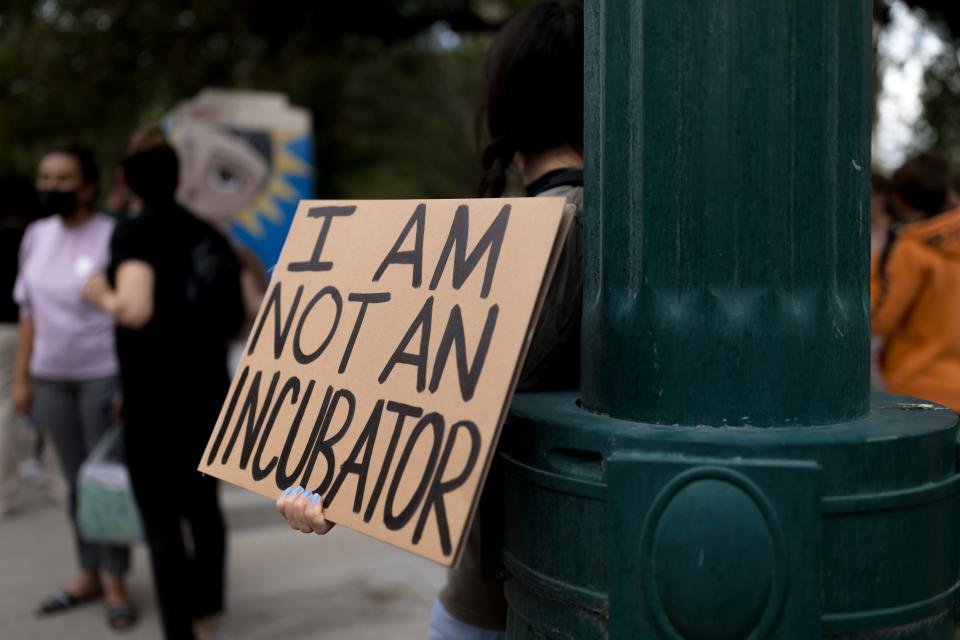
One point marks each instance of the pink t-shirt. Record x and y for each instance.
(73, 340)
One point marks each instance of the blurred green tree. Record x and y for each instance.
(392, 83)
(944, 11)
(939, 127)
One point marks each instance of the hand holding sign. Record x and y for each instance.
(303, 511)
(382, 361)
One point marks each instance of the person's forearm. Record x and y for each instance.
(106, 300)
(125, 315)
(131, 302)
(100, 294)
(21, 362)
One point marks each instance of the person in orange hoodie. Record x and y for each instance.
(881, 226)
(915, 285)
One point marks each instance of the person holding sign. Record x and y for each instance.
(532, 111)
(173, 287)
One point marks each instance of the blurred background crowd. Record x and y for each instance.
(236, 111)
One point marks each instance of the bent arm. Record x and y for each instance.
(22, 399)
(131, 303)
(21, 363)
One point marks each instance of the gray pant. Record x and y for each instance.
(76, 415)
(9, 458)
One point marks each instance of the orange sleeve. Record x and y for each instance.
(895, 280)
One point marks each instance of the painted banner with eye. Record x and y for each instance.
(246, 162)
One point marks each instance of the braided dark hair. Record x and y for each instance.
(497, 158)
(533, 89)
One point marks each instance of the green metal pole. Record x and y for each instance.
(724, 473)
(727, 185)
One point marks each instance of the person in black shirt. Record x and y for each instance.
(174, 289)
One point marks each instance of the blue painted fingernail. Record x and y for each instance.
(306, 494)
(314, 499)
(297, 490)
(287, 492)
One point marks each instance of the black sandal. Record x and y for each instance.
(63, 601)
(121, 617)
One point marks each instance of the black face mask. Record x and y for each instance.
(62, 203)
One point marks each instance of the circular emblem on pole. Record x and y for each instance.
(715, 562)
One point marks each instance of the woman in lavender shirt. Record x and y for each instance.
(66, 368)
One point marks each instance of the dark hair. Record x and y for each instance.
(879, 183)
(924, 182)
(153, 173)
(533, 89)
(146, 137)
(89, 170)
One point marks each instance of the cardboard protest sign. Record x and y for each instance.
(383, 358)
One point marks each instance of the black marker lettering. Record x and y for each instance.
(310, 453)
(307, 358)
(453, 337)
(292, 386)
(398, 521)
(248, 411)
(241, 382)
(328, 214)
(252, 432)
(420, 324)
(279, 335)
(413, 256)
(403, 412)
(463, 266)
(364, 299)
(353, 464)
(439, 487)
(324, 445)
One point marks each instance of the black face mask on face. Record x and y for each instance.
(54, 202)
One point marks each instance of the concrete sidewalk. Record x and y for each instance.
(281, 584)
